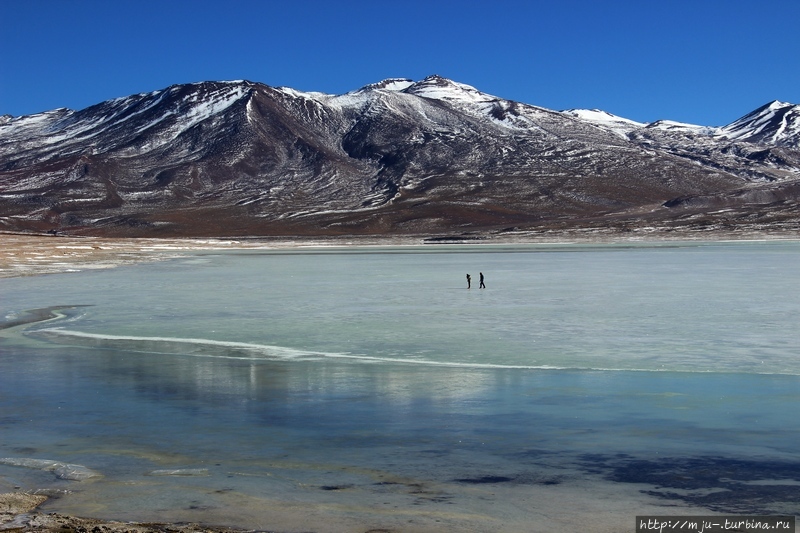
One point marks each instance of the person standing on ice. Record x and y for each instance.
(482, 285)
(469, 280)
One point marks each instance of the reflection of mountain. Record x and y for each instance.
(395, 157)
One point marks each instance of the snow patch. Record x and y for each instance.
(682, 127)
(617, 125)
(438, 88)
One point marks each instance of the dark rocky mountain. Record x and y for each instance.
(433, 157)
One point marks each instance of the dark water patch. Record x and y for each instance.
(25, 450)
(720, 484)
(521, 479)
(485, 479)
(423, 495)
(198, 506)
(427, 499)
(31, 316)
(336, 487)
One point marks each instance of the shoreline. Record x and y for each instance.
(32, 255)
(18, 512)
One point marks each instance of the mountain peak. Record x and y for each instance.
(777, 104)
(436, 87)
(389, 84)
(436, 79)
(775, 123)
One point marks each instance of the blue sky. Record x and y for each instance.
(699, 61)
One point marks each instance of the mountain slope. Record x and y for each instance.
(775, 124)
(398, 156)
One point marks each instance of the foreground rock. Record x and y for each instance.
(17, 514)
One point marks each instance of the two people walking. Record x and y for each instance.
(469, 281)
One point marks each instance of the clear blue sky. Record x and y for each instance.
(705, 62)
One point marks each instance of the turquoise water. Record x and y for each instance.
(347, 388)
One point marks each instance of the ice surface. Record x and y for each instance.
(174, 345)
(180, 472)
(389, 439)
(71, 472)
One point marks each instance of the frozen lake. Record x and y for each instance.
(347, 388)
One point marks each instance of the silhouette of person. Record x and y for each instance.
(482, 284)
(469, 280)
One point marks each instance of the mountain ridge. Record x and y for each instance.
(395, 157)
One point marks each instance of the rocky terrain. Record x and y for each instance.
(18, 512)
(432, 158)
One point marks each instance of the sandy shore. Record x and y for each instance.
(31, 255)
(18, 513)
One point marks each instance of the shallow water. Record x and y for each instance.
(342, 389)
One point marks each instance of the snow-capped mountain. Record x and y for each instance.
(398, 156)
(776, 124)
